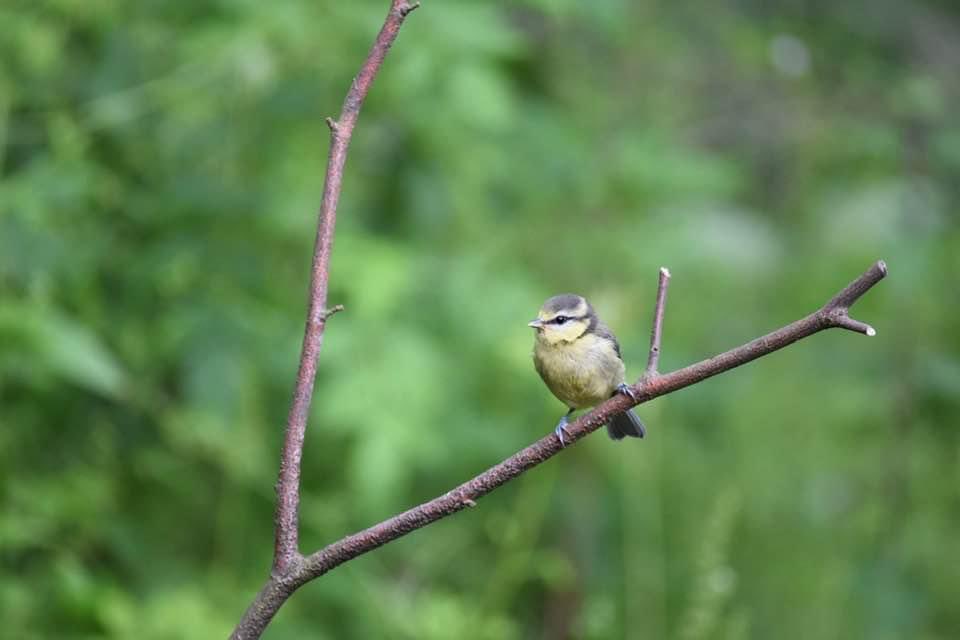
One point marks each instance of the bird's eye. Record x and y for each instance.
(560, 319)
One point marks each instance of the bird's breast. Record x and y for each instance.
(581, 373)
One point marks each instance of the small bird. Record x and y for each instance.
(578, 358)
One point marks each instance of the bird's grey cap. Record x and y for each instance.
(567, 302)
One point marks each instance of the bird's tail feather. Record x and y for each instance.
(625, 424)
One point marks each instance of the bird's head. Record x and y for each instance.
(564, 318)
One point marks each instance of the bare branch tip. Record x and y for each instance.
(406, 8)
(665, 272)
(843, 321)
(332, 124)
(337, 308)
(882, 266)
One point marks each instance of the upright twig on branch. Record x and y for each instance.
(656, 333)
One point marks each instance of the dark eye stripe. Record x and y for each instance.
(563, 319)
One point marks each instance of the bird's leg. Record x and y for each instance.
(625, 389)
(562, 426)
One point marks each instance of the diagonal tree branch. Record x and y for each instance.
(834, 314)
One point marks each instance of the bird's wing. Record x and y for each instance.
(603, 331)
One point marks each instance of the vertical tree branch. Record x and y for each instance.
(286, 575)
(286, 549)
(656, 333)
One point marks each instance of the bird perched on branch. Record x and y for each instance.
(578, 358)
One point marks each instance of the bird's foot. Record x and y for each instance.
(561, 430)
(625, 389)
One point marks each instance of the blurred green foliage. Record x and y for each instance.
(160, 166)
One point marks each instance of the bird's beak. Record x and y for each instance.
(536, 324)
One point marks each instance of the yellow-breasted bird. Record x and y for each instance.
(578, 358)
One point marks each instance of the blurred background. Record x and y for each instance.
(160, 168)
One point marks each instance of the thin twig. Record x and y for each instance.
(287, 559)
(337, 308)
(653, 360)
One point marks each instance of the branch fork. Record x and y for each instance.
(836, 311)
(291, 569)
